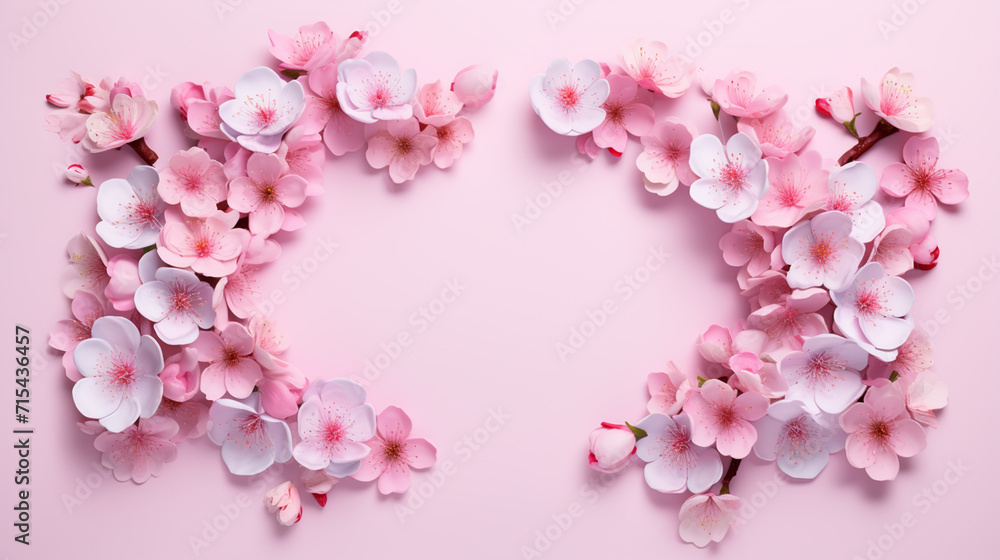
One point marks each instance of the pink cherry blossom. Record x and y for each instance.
(231, 367)
(195, 181)
(792, 317)
(872, 311)
(305, 156)
(732, 179)
(266, 335)
(266, 192)
(893, 99)
(313, 46)
(241, 291)
(839, 106)
(852, 188)
(77, 174)
(475, 85)
(664, 158)
(119, 369)
(435, 105)
(776, 134)
(282, 387)
(718, 345)
(318, 483)
(924, 394)
(126, 120)
(624, 114)
(394, 453)
(674, 462)
(768, 288)
(800, 442)
(912, 358)
(738, 95)
(210, 246)
(251, 440)
(334, 421)
(283, 501)
(825, 375)
(653, 68)
(265, 106)
(341, 133)
(749, 245)
(66, 334)
(451, 137)
(402, 147)
(892, 250)
(798, 186)
(180, 375)
(879, 432)
(720, 417)
(611, 448)
(191, 417)
(88, 267)
(130, 209)
(707, 517)
(569, 98)
(199, 107)
(139, 451)
(667, 390)
(822, 252)
(123, 272)
(374, 88)
(753, 375)
(178, 303)
(921, 182)
(71, 126)
(70, 91)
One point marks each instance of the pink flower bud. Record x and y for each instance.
(180, 375)
(475, 85)
(925, 253)
(283, 500)
(839, 106)
(611, 447)
(78, 174)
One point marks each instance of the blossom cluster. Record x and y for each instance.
(828, 358)
(168, 340)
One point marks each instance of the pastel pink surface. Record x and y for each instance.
(492, 351)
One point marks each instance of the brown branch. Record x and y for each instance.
(882, 130)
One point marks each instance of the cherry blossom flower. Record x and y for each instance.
(718, 345)
(674, 462)
(304, 154)
(892, 250)
(924, 394)
(912, 358)
(313, 46)
(749, 245)
(140, 450)
(66, 334)
(851, 190)
(664, 158)
(231, 367)
(128, 119)
(822, 252)
(569, 98)
(797, 187)
(123, 273)
(240, 292)
(199, 107)
(872, 311)
(879, 431)
(402, 147)
(707, 517)
(374, 88)
(732, 179)
(265, 107)
(341, 133)
(180, 375)
(611, 448)
(739, 96)
(792, 317)
(650, 65)
(195, 181)
(893, 100)
(282, 387)
(720, 417)
(451, 139)
(178, 303)
(266, 192)
(839, 106)
(251, 440)
(318, 483)
(799, 442)
(475, 85)
(624, 115)
(394, 453)
(753, 375)
(334, 421)
(768, 288)
(119, 369)
(435, 105)
(210, 246)
(71, 126)
(130, 209)
(283, 501)
(77, 174)
(266, 335)
(191, 417)
(776, 134)
(921, 182)
(825, 375)
(70, 91)
(667, 390)
(88, 267)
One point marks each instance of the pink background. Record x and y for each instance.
(494, 348)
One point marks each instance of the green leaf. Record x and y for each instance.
(639, 433)
(701, 381)
(851, 126)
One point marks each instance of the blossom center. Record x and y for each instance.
(333, 432)
(268, 193)
(615, 112)
(726, 416)
(800, 435)
(821, 367)
(122, 372)
(868, 303)
(568, 97)
(822, 252)
(263, 112)
(393, 450)
(733, 177)
(143, 212)
(403, 145)
(231, 357)
(896, 97)
(121, 129)
(879, 430)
